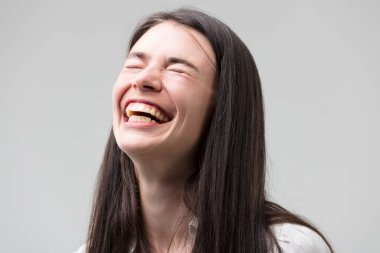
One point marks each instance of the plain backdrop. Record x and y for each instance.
(319, 64)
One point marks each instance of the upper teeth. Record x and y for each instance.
(140, 107)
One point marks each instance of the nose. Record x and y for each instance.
(148, 80)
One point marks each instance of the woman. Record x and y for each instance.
(184, 167)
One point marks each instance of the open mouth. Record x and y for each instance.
(144, 113)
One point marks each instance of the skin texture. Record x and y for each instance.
(164, 154)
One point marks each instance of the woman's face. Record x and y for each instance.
(164, 93)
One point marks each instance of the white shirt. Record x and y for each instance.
(291, 238)
(294, 238)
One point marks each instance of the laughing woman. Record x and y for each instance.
(184, 167)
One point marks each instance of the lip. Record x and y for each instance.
(148, 102)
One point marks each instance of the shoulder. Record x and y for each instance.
(294, 238)
(82, 249)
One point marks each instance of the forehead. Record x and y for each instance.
(170, 38)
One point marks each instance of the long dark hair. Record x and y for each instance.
(227, 193)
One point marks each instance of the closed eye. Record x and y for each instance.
(133, 67)
(181, 71)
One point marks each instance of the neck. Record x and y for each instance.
(165, 214)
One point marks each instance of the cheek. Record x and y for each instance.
(204, 105)
(197, 118)
(196, 105)
(189, 94)
(120, 86)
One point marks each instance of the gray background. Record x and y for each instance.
(319, 63)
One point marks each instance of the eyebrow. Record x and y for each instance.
(139, 55)
(171, 60)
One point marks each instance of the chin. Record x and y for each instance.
(131, 147)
